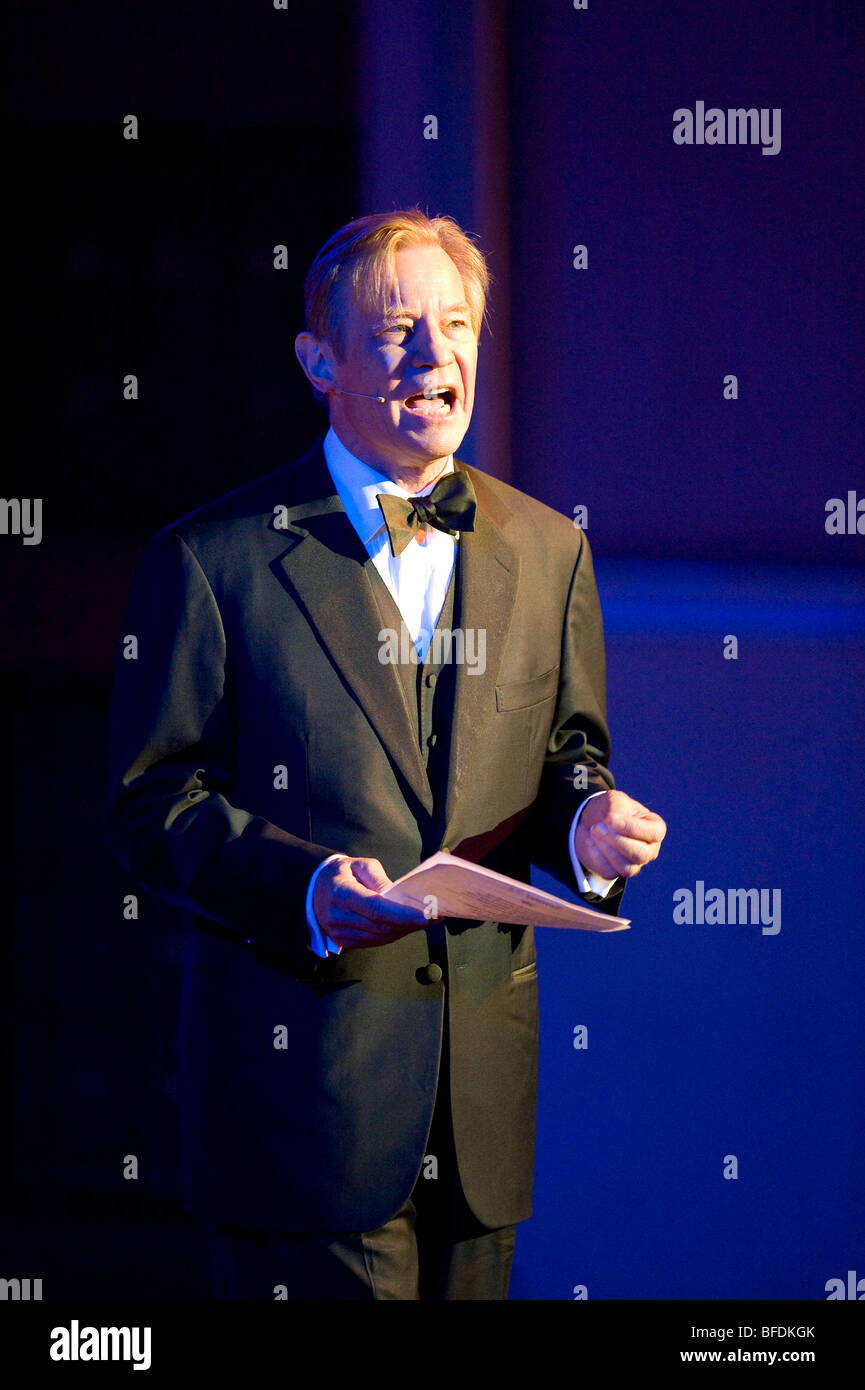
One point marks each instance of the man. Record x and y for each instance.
(358, 1083)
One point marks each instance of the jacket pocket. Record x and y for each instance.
(524, 694)
(526, 972)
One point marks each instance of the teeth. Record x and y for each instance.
(442, 393)
(439, 395)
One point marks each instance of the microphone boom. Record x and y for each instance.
(361, 395)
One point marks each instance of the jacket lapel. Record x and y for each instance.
(327, 568)
(488, 585)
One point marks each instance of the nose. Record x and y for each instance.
(431, 346)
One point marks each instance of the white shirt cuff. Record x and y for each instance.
(316, 939)
(587, 882)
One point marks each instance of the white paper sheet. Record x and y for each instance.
(445, 886)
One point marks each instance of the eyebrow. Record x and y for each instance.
(408, 314)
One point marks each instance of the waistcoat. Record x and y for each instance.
(428, 687)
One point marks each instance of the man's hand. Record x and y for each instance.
(616, 836)
(350, 910)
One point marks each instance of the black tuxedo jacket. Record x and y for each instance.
(254, 733)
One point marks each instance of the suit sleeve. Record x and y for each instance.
(171, 754)
(578, 747)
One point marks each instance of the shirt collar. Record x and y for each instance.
(357, 484)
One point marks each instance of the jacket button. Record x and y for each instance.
(429, 974)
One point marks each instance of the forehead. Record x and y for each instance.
(421, 277)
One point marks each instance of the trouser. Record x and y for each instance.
(407, 1259)
(433, 1248)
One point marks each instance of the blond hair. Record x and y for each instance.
(363, 254)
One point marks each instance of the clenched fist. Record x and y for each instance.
(616, 836)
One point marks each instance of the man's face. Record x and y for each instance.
(428, 344)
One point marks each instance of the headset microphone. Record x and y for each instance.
(361, 395)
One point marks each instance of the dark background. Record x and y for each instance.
(600, 387)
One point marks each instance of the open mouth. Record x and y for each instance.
(432, 403)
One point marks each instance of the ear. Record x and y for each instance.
(317, 360)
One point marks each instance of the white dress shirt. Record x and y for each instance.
(418, 582)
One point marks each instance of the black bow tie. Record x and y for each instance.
(450, 507)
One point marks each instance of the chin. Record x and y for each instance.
(439, 440)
